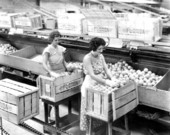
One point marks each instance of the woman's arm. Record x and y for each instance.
(108, 73)
(88, 66)
(45, 61)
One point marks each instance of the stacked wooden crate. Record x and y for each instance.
(18, 101)
(55, 89)
(28, 22)
(111, 103)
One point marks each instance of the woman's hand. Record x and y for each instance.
(70, 68)
(109, 83)
(112, 83)
(54, 74)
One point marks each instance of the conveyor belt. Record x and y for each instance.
(4, 131)
(57, 130)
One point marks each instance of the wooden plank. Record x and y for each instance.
(125, 99)
(9, 117)
(4, 114)
(21, 107)
(159, 99)
(114, 105)
(13, 118)
(125, 109)
(29, 87)
(27, 112)
(3, 96)
(8, 107)
(14, 87)
(68, 85)
(67, 93)
(126, 89)
(89, 101)
(97, 103)
(27, 101)
(10, 91)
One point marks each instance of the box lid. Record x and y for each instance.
(94, 13)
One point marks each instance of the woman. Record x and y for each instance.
(53, 56)
(94, 68)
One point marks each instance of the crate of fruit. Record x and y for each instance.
(160, 96)
(152, 82)
(56, 89)
(106, 103)
(18, 101)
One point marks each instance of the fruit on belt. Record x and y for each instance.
(7, 49)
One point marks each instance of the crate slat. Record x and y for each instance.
(125, 109)
(125, 99)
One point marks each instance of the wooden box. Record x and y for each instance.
(28, 22)
(6, 20)
(159, 97)
(100, 23)
(150, 29)
(113, 104)
(56, 89)
(100, 27)
(27, 59)
(18, 101)
(70, 23)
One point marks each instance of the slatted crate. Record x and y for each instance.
(157, 96)
(112, 104)
(18, 101)
(28, 22)
(56, 89)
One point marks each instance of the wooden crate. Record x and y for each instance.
(27, 59)
(100, 27)
(113, 104)
(28, 22)
(55, 89)
(159, 97)
(70, 23)
(18, 101)
(150, 29)
(6, 20)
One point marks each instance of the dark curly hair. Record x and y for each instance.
(96, 42)
(53, 34)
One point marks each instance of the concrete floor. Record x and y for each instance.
(137, 125)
